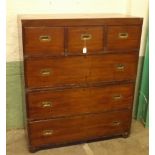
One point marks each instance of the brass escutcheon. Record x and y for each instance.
(45, 72)
(47, 132)
(45, 38)
(123, 35)
(46, 104)
(86, 36)
(120, 67)
(117, 97)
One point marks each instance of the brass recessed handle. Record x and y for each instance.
(120, 67)
(117, 97)
(116, 123)
(46, 104)
(45, 72)
(123, 35)
(47, 132)
(86, 36)
(45, 38)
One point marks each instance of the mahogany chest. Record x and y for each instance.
(79, 78)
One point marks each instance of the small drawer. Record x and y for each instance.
(43, 40)
(78, 128)
(123, 37)
(67, 102)
(90, 38)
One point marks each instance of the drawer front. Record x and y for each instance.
(48, 104)
(43, 40)
(56, 72)
(113, 67)
(89, 37)
(79, 128)
(77, 70)
(123, 37)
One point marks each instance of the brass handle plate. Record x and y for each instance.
(45, 38)
(47, 132)
(123, 35)
(117, 97)
(120, 67)
(116, 123)
(86, 36)
(45, 72)
(46, 104)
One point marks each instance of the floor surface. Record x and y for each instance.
(136, 144)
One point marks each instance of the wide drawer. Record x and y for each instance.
(77, 70)
(79, 128)
(43, 41)
(90, 37)
(123, 37)
(67, 102)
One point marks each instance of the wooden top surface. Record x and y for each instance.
(78, 19)
(73, 16)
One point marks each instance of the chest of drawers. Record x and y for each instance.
(79, 78)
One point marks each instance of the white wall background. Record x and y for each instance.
(15, 7)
